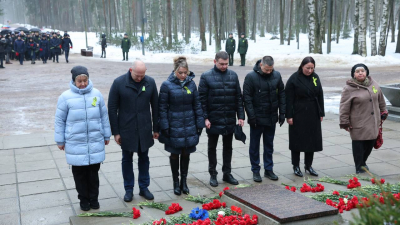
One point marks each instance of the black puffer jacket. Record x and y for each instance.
(221, 99)
(263, 94)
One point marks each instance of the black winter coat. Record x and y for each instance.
(103, 41)
(230, 45)
(44, 46)
(129, 112)
(263, 94)
(3, 46)
(221, 99)
(66, 43)
(305, 104)
(180, 112)
(55, 46)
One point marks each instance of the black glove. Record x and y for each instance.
(165, 133)
(199, 131)
(384, 116)
(253, 122)
(281, 119)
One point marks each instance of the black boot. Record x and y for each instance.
(297, 171)
(174, 163)
(185, 158)
(310, 170)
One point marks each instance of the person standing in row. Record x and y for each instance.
(82, 130)
(242, 49)
(263, 94)
(181, 120)
(44, 47)
(66, 45)
(103, 45)
(3, 47)
(125, 46)
(31, 50)
(221, 99)
(133, 125)
(55, 47)
(19, 48)
(362, 108)
(9, 46)
(230, 47)
(304, 111)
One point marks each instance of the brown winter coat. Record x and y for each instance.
(360, 109)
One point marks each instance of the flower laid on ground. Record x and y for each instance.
(242, 220)
(308, 188)
(236, 209)
(215, 204)
(335, 193)
(291, 188)
(373, 181)
(353, 183)
(344, 203)
(136, 213)
(223, 191)
(221, 213)
(198, 213)
(162, 221)
(173, 208)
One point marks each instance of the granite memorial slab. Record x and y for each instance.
(279, 204)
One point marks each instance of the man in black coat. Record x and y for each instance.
(133, 125)
(263, 93)
(230, 47)
(221, 99)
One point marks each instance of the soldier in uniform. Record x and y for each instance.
(230, 47)
(242, 48)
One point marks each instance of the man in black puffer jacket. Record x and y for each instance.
(263, 93)
(221, 99)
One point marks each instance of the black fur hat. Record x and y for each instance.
(353, 69)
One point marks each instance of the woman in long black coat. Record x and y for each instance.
(181, 120)
(304, 113)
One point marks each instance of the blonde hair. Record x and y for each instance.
(180, 61)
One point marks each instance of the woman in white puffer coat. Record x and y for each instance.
(82, 129)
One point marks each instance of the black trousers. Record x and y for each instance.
(230, 59)
(308, 158)
(361, 151)
(226, 153)
(242, 59)
(87, 182)
(125, 53)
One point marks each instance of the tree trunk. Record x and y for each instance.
(382, 38)
(392, 23)
(398, 36)
(109, 13)
(217, 40)
(169, 26)
(329, 39)
(311, 26)
(356, 26)
(298, 4)
(323, 20)
(290, 21)
(202, 26)
(281, 19)
(222, 24)
(362, 36)
(161, 8)
(175, 24)
(105, 16)
(372, 26)
(188, 20)
(210, 23)
(338, 22)
(115, 17)
(254, 27)
(262, 18)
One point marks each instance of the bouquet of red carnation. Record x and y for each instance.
(222, 192)
(215, 204)
(236, 209)
(162, 221)
(173, 208)
(382, 181)
(318, 188)
(291, 188)
(353, 183)
(136, 213)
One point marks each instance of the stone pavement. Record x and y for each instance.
(37, 187)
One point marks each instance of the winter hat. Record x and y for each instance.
(125, 34)
(79, 70)
(230, 33)
(44, 35)
(359, 65)
(65, 35)
(242, 33)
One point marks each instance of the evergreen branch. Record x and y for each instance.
(200, 199)
(107, 214)
(154, 205)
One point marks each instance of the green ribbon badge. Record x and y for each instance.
(94, 101)
(315, 81)
(374, 89)
(143, 88)
(187, 90)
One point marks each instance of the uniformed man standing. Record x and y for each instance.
(230, 47)
(242, 49)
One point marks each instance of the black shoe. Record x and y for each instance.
(360, 171)
(101, 56)
(177, 189)
(257, 177)
(311, 171)
(85, 206)
(230, 179)
(184, 172)
(94, 204)
(146, 194)
(128, 196)
(270, 175)
(67, 61)
(297, 171)
(123, 60)
(366, 167)
(213, 181)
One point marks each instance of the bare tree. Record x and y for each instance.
(311, 26)
(398, 36)
(105, 17)
(169, 20)
(338, 22)
(216, 34)
(329, 39)
(188, 20)
(372, 26)
(362, 36)
(392, 23)
(202, 26)
(210, 23)
(290, 21)
(356, 26)
(161, 8)
(281, 19)
(254, 28)
(382, 38)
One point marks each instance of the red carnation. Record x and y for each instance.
(136, 213)
(336, 193)
(382, 181)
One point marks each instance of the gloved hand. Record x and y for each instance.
(70, 47)
(165, 133)
(281, 119)
(384, 115)
(253, 122)
(199, 131)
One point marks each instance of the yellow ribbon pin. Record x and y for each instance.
(143, 88)
(374, 89)
(187, 90)
(94, 101)
(315, 81)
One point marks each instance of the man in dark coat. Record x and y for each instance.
(19, 48)
(66, 45)
(44, 48)
(133, 125)
(263, 94)
(230, 47)
(3, 46)
(125, 45)
(242, 49)
(55, 47)
(103, 45)
(31, 49)
(13, 38)
(221, 99)
(9, 47)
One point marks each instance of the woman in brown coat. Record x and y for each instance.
(360, 113)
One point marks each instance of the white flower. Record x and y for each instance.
(222, 213)
(345, 200)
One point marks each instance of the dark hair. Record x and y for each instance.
(268, 60)
(305, 61)
(221, 55)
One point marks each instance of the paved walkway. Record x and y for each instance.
(37, 187)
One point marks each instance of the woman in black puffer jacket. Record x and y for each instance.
(181, 120)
